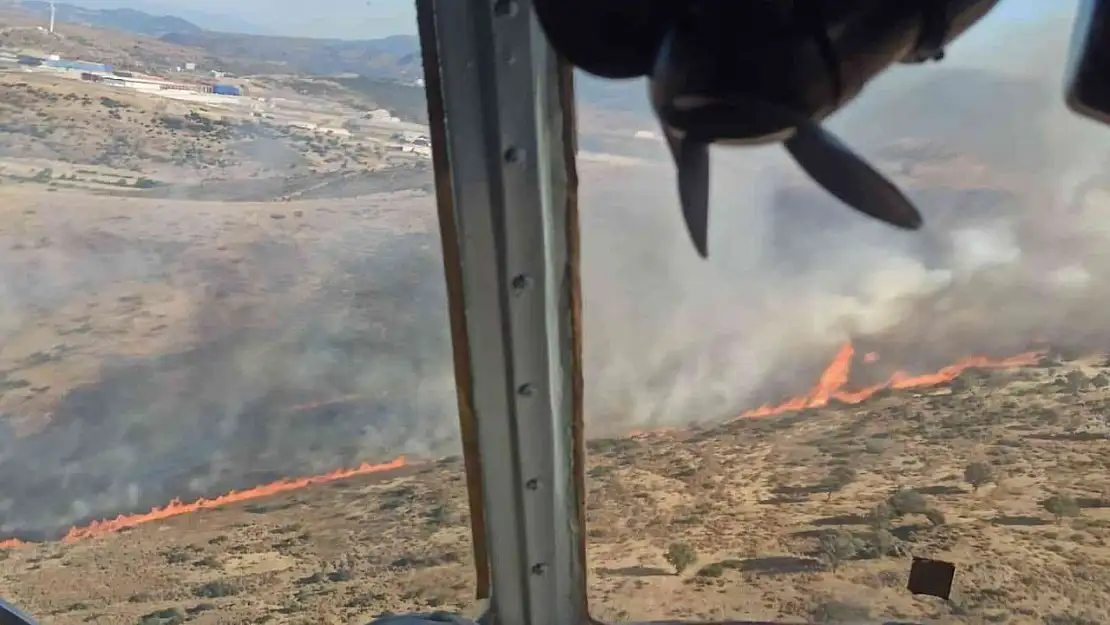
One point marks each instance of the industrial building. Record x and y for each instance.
(226, 90)
(153, 83)
(109, 75)
(78, 66)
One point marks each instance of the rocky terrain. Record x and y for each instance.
(69, 134)
(805, 515)
(197, 299)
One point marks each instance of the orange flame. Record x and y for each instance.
(176, 507)
(831, 384)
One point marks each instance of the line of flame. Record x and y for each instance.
(830, 386)
(176, 507)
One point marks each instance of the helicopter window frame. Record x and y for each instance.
(505, 188)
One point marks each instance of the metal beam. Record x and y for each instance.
(452, 269)
(510, 228)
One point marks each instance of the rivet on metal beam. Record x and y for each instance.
(521, 283)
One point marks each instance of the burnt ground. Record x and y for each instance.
(751, 498)
(157, 349)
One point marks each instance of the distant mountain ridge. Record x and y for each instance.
(217, 21)
(390, 58)
(394, 59)
(128, 20)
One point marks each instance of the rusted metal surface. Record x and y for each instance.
(573, 275)
(452, 268)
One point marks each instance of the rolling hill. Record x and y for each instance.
(124, 19)
(395, 58)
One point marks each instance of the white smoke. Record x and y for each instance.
(1013, 251)
(1015, 232)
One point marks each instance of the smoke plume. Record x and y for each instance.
(308, 352)
(1011, 186)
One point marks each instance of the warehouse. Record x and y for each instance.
(226, 90)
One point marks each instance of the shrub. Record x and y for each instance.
(169, 616)
(681, 556)
(219, 588)
(876, 445)
(836, 547)
(837, 479)
(935, 516)
(711, 570)
(978, 474)
(1060, 506)
(840, 612)
(907, 501)
(880, 517)
(882, 543)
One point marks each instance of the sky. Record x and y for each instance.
(1009, 12)
(343, 19)
(370, 19)
(347, 19)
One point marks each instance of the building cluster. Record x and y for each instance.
(413, 142)
(307, 114)
(109, 75)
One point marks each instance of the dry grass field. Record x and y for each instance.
(134, 278)
(154, 347)
(772, 534)
(196, 300)
(105, 138)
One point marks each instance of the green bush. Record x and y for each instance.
(978, 474)
(936, 517)
(711, 570)
(1060, 506)
(681, 556)
(216, 589)
(836, 547)
(837, 479)
(840, 612)
(169, 616)
(907, 501)
(882, 543)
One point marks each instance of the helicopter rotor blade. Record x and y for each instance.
(849, 178)
(613, 39)
(691, 159)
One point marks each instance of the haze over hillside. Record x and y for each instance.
(245, 49)
(335, 19)
(215, 18)
(774, 232)
(205, 292)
